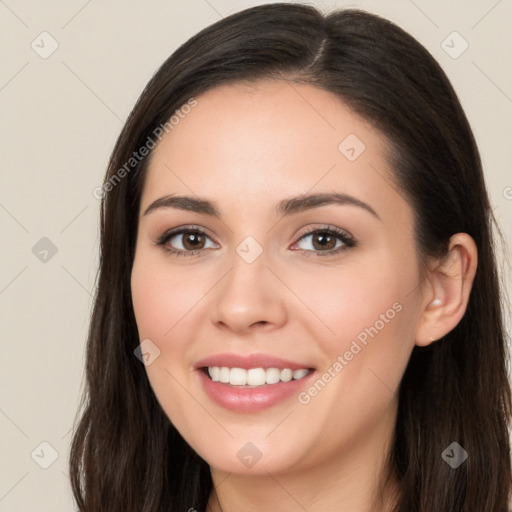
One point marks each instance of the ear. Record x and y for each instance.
(447, 289)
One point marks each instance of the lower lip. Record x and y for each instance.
(242, 399)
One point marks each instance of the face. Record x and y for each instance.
(279, 327)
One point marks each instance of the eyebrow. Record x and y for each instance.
(285, 207)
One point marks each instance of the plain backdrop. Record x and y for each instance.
(71, 72)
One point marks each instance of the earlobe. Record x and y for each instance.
(447, 290)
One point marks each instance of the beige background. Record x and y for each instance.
(61, 114)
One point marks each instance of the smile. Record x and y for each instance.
(251, 383)
(254, 377)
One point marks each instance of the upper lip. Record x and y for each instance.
(247, 362)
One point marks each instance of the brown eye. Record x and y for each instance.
(323, 241)
(185, 242)
(326, 241)
(193, 240)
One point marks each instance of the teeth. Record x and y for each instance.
(273, 376)
(214, 372)
(286, 375)
(224, 375)
(238, 377)
(298, 374)
(254, 376)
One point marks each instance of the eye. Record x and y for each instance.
(327, 241)
(190, 241)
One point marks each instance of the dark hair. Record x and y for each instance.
(125, 454)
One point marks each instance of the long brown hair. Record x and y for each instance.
(126, 456)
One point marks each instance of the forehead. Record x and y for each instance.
(262, 142)
(293, 121)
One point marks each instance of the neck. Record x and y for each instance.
(348, 480)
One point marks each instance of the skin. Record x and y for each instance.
(247, 147)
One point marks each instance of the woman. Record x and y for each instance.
(297, 306)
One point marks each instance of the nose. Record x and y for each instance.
(248, 297)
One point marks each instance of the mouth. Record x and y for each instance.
(253, 377)
(252, 383)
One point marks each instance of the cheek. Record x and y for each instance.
(161, 297)
(365, 336)
(364, 324)
(357, 301)
(163, 302)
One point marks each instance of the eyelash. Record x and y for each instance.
(347, 240)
